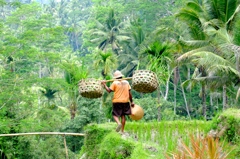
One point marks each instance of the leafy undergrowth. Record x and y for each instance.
(226, 126)
(151, 140)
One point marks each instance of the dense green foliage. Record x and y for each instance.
(47, 47)
(114, 147)
(228, 124)
(93, 138)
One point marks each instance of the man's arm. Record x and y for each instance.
(106, 87)
(130, 98)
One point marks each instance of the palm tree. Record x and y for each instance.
(220, 72)
(160, 61)
(73, 73)
(107, 61)
(109, 33)
(130, 57)
(49, 94)
(206, 21)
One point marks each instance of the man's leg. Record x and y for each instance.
(118, 122)
(116, 119)
(123, 122)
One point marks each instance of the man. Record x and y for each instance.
(121, 98)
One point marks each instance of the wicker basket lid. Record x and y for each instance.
(137, 112)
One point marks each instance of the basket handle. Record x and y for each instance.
(111, 80)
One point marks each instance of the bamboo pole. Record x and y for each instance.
(43, 133)
(111, 80)
(65, 145)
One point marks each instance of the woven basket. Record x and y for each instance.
(90, 88)
(137, 112)
(144, 81)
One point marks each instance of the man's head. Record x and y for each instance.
(117, 74)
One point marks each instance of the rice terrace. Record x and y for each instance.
(119, 79)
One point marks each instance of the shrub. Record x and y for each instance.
(92, 141)
(227, 125)
(114, 147)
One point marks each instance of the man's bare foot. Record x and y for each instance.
(118, 127)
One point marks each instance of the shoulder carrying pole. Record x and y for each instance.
(111, 80)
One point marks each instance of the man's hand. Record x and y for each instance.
(103, 82)
(132, 104)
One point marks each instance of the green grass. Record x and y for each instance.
(146, 140)
(166, 134)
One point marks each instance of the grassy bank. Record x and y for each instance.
(141, 139)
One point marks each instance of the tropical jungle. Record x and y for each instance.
(48, 47)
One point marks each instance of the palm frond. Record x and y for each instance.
(103, 44)
(137, 35)
(206, 58)
(189, 84)
(224, 69)
(64, 109)
(185, 56)
(196, 73)
(158, 49)
(160, 30)
(228, 9)
(188, 15)
(194, 6)
(49, 93)
(214, 23)
(123, 38)
(105, 55)
(123, 24)
(231, 19)
(96, 40)
(193, 43)
(232, 47)
(99, 25)
(220, 36)
(99, 33)
(203, 58)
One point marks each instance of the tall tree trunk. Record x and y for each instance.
(188, 73)
(175, 81)
(167, 84)
(73, 108)
(211, 100)
(224, 97)
(203, 89)
(190, 91)
(175, 99)
(167, 89)
(158, 104)
(204, 100)
(185, 99)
